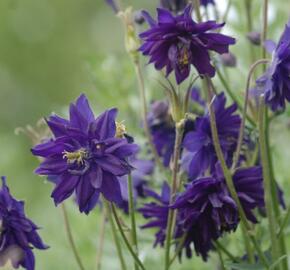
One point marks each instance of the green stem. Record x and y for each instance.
(101, 240)
(70, 237)
(220, 256)
(132, 216)
(243, 123)
(197, 10)
(127, 243)
(226, 252)
(265, 28)
(233, 96)
(249, 248)
(115, 235)
(144, 113)
(229, 180)
(267, 181)
(175, 183)
(179, 248)
(284, 223)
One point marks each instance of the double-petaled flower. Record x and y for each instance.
(18, 234)
(86, 155)
(206, 209)
(177, 42)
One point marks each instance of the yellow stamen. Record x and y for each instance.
(120, 129)
(77, 156)
(184, 58)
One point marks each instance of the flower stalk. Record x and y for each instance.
(71, 239)
(101, 239)
(132, 217)
(175, 183)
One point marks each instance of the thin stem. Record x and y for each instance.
(243, 123)
(70, 237)
(265, 27)
(187, 95)
(144, 113)
(101, 240)
(284, 223)
(127, 243)
(175, 168)
(267, 180)
(220, 256)
(179, 248)
(248, 246)
(226, 14)
(115, 236)
(226, 252)
(229, 180)
(197, 10)
(233, 96)
(132, 216)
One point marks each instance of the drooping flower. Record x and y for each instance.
(177, 42)
(18, 236)
(174, 6)
(275, 83)
(86, 155)
(157, 212)
(142, 169)
(206, 209)
(200, 153)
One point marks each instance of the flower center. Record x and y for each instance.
(183, 58)
(77, 156)
(120, 129)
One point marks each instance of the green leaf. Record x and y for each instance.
(245, 266)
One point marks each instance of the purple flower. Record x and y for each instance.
(157, 212)
(18, 234)
(175, 6)
(206, 209)
(143, 168)
(200, 155)
(177, 42)
(86, 155)
(275, 83)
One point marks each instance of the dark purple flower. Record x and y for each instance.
(275, 83)
(206, 209)
(18, 234)
(177, 42)
(200, 155)
(175, 6)
(86, 155)
(142, 169)
(157, 212)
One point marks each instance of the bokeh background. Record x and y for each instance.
(53, 50)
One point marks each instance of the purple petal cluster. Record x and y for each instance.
(18, 234)
(200, 154)
(157, 212)
(206, 209)
(142, 169)
(86, 155)
(275, 83)
(177, 42)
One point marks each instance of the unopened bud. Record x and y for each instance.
(254, 38)
(138, 17)
(229, 60)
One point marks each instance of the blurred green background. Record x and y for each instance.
(53, 50)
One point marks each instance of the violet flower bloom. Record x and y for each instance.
(86, 155)
(275, 83)
(206, 209)
(18, 234)
(200, 155)
(157, 212)
(142, 169)
(177, 42)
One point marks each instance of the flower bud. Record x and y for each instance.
(228, 60)
(138, 17)
(254, 38)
